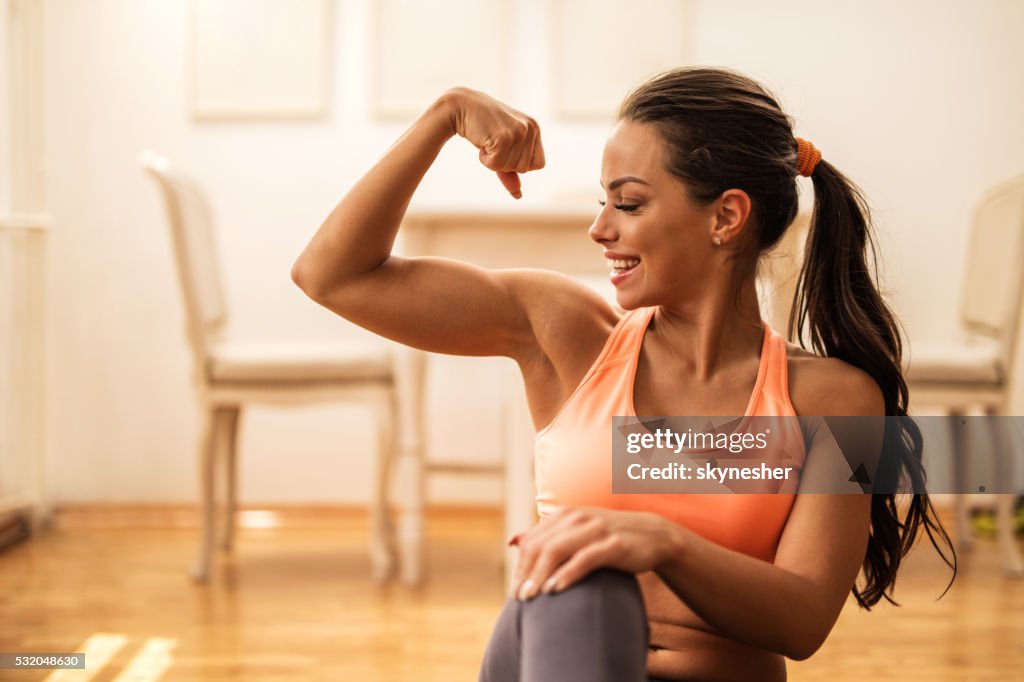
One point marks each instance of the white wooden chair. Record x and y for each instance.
(979, 374)
(229, 373)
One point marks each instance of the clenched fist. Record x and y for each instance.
(508, 140)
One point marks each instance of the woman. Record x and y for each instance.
(700, 175)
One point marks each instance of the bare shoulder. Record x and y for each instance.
(569, 325)
(820, 386)
(567, 318)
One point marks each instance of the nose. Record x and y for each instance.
(602, 230)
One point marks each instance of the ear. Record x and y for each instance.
(731, 215)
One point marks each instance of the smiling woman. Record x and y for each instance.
(701, 176)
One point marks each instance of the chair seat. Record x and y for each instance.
(975, 361)
(305, 360)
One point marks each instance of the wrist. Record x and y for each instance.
(446, 109)
(673, 546)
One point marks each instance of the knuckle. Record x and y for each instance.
(528, 548)
(558, 546)
(576, 516)
(541, 566)
(503, 138)
(613, 541)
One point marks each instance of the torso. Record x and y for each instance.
(682, 645)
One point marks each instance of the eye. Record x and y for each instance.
(628, 208)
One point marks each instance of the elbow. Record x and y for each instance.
(321, 282)
(303, 280)
(805, 646)
(299, 275)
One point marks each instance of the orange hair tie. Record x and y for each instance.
(807, 157)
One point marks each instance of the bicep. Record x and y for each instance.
(448, 306)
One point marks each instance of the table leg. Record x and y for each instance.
(519, 486)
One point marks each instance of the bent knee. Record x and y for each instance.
(605, 589)
(606, 581)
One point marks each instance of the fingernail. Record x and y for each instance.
(514, 540)
(517, 195)
(550, 586)
(526, 590)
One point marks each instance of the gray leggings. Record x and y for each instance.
(595, 631)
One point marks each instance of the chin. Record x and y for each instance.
(629, 302)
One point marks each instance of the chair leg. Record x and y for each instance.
(1009, 550)
(230, 431)
(382, 541)
(517, 442)
(410, 387)
(207, 474)
(410, 522)
(961, 515)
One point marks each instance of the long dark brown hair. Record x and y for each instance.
(725, 131)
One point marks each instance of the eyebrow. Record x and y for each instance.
(623, 180)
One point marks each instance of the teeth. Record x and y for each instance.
(622, 264)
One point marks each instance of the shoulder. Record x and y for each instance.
(547, 287)
(567, 318)
(821, 386)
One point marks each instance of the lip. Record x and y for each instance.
(619, 277)
(617, 255)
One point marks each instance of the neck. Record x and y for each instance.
(710, 332)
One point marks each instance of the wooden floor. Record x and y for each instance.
(296, 603)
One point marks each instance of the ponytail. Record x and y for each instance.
(845, 317)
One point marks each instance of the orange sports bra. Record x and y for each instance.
(573, 454)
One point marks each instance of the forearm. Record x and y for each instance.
(359, 233)
(747, 599)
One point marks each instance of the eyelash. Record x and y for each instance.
(628, 208)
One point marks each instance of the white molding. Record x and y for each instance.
(25, 221)
(318, 105)
(23, 362)
(25, 105)
(24, 227)
(597, 53)
(410, 69)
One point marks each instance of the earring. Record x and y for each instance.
(717, 240)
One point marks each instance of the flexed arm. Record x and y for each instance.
(432, 303)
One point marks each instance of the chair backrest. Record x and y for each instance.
(195, 252)
(994, 279)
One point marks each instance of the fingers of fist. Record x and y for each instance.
(514, 148)
(509, 141)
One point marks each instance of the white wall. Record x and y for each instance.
(5, 128)
(920, 102)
